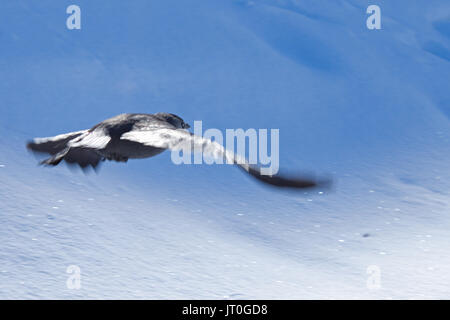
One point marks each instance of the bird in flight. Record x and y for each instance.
(137, 136)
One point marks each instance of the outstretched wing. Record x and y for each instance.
(178, 139)
(75, 148)
(53, 145)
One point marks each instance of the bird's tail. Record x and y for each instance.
(56, 159)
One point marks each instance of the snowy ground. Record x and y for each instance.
(369, 107)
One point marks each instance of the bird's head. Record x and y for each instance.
(173, 119)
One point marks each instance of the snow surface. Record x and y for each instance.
(369, 107)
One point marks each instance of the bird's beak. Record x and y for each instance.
(186, 126)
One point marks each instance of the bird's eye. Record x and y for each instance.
(175, 122)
